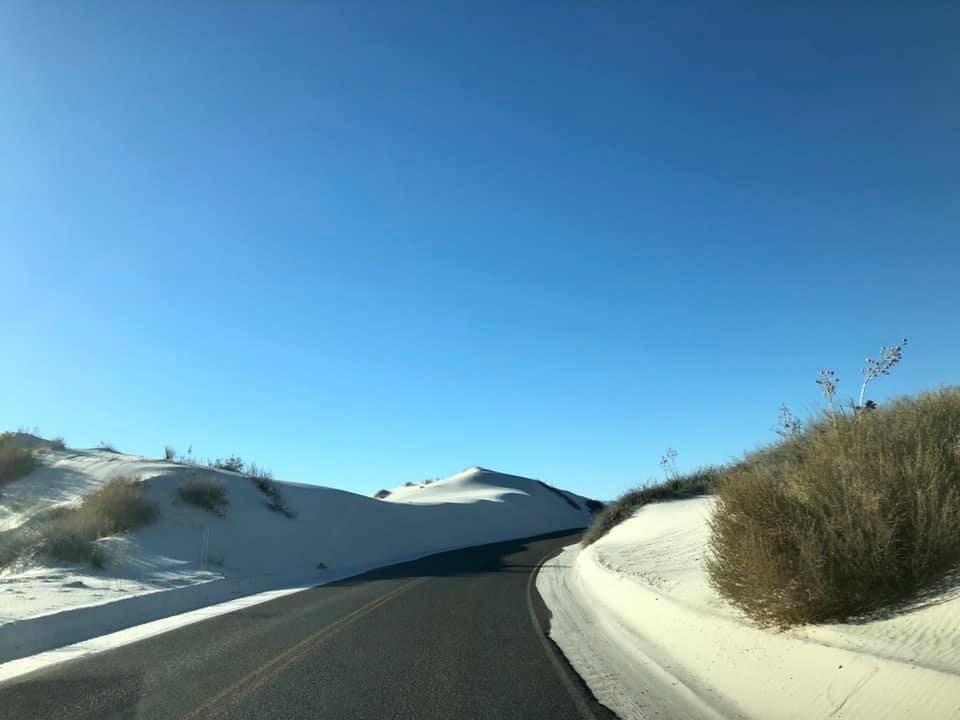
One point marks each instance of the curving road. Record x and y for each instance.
(454, 635)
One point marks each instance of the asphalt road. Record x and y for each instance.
(455, 635)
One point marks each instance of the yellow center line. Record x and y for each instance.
(272, 667)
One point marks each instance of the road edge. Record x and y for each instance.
(576, 688)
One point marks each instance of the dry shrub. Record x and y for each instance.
(69, 534)
(205, 493)
(262, 479)
(699, 482)
(15, 461)
(857, 512)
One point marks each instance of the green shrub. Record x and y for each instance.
(69, 534)
(15, 461)
(854, 513)
(232, 463)
(612, 514)
(206, 493)
(381, 494)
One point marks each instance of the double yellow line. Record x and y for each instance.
(270, 669)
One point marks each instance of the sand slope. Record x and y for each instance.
(190, 557)
(636, 617)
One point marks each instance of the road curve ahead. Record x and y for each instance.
(455, 635)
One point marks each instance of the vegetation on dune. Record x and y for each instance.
(854, 511)
(675, 486)
(211, 495)
(381, 494)
(207, 493)
(262, 479)
(849, 514)
(69, 534)
(15, 461)
(232, 463)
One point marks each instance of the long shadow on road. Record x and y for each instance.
(476, 560)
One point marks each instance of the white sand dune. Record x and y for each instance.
(636, 617)
(191, 558)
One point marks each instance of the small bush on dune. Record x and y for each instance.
(676, 486)
(15, 461)
(381, 494)
(169, 453)
(856, 512)
(205, 493)
(69, 534)
(70, 537)
(58, 443)
(121, 505)
(263, 480)
(232, 463)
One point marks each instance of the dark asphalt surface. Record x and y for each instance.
(448, 636)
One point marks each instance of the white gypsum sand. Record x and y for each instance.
(191, 558)
(636, 617)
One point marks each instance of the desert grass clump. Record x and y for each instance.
(858, 512)
(263, 480)
(206, 493)
(381, 494)
(676, 486)
(69, 534)
(15, 461)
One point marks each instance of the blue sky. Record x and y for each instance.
(368, 243)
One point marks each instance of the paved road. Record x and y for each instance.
(456, 635)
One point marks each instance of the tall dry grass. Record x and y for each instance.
(15, 461)
(206, 493)
(677, 486)
(70, 533)
(853, 513)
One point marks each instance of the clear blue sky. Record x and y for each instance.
(368, 243)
